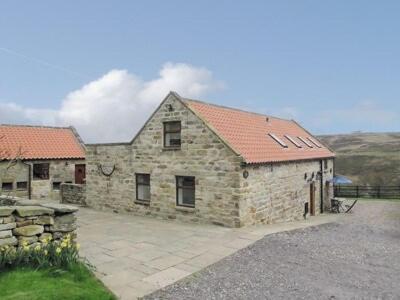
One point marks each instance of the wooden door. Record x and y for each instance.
(312, 199)
(80, 174)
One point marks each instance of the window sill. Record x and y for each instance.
(185, 209)
(171, 148)
(141, 202)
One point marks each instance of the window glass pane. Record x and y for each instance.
(22, 185)
(143, 192)
(188, 182)
(173, 139)
(7, 186)
(56, 185)
(41, 171)
(188, 197)
(143, 178)
(172, 126)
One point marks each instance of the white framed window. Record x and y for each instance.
(305, 142)
(278, 140)
(143, 187)
(294, 142)
(185, 191)
(172, 134)
(314, 142)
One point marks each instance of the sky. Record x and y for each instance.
(103, 66)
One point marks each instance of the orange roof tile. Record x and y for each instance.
(38, 142)
(248, 134)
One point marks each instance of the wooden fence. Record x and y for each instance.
(358, 191)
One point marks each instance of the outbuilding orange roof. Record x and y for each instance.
(259, 138)
(37, 142)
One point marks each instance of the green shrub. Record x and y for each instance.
(58, 254)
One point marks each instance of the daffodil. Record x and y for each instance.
(45, 252)
(58, 250)
(37, 248)
(26, 248)
(63, 244)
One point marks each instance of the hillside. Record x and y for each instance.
(367, 158)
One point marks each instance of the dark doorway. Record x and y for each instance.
(312, 199)
(80, 174)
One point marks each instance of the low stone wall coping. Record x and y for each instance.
(22, 224)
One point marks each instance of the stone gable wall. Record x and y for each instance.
(202, 154)
(277, 192)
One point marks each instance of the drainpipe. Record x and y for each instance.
(29, 179)
(321, 187)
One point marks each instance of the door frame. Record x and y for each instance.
(312, 199)
(84, 172)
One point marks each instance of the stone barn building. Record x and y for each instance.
(36, 160)
(200, 162)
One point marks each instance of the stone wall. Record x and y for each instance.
(14, 174)
(73, 193)
(272, 193)
(61, 171)
(202, 155)
(30, 222)
(277, 192)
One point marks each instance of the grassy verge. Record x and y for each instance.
(77, 282)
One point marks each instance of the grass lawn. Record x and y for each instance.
(77, 283)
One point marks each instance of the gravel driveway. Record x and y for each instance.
(357, 258)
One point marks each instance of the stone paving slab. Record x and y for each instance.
(135, 255)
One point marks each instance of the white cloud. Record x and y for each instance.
(113, 107)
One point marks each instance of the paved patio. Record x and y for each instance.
(135, 255)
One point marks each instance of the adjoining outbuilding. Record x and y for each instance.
(36, 160)
(200, 162)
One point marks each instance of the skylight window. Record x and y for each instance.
(298, 145)
(314, 142)
(305, 142)
(278, 140)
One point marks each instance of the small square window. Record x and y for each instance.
(7, 186)
(41, 171)
(172, 134)
(22, 185)
(185, 191)
(56, 185)
(143, 187)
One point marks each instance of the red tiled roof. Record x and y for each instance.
(38, 142)
(248, 134)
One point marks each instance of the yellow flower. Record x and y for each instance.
(24, 243)
(58, 250)
(78, 246)
(37, 248)
(6, 247)
(26, 248)
(45, 252)
(63, 244)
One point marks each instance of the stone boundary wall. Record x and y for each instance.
(30, 222)
(73, 193)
